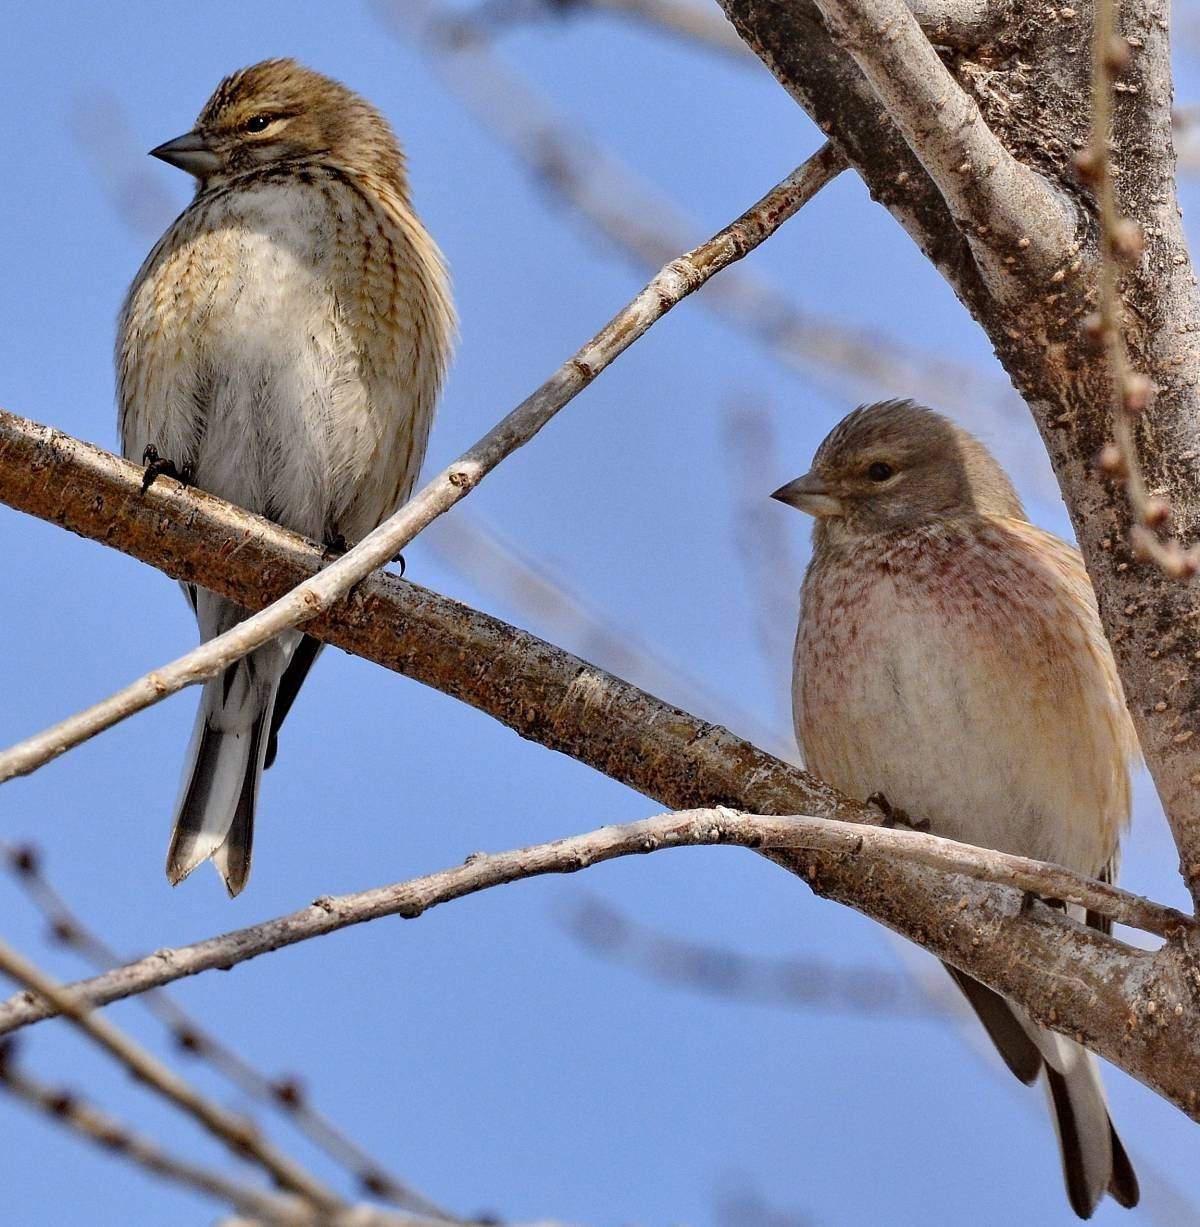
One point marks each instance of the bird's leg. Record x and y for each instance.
(893, 817)
(162, 466)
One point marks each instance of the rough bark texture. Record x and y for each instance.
(1031, 82)
(1140, 1009)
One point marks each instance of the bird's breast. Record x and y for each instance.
(961, 678)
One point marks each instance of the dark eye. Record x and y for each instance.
(880, 471)
(258, 123)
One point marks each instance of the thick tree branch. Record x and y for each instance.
(1032, 84)
(1003, 207)
(674, 282)
(1072, 979)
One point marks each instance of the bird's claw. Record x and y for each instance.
(161, 466)
(399, 561)
(893, 817)
(335, 547)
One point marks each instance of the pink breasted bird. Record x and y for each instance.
(950, 660)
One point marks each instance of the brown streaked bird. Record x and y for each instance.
(950, 660)
(282, 346)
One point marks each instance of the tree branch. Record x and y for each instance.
(674, 282)
(284, 1094)
(116, 1138)
(1068, 978)
(991, 194)
(688, 828)
(239, 1135)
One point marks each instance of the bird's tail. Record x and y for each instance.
(215, 813)
(1093, 1158)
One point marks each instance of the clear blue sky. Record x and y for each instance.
(481, 1051)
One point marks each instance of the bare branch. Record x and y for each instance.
(113, 1136)
(239, 1135)
(685, 829)
(676, 280)
(1070, 979)
(284, 1094)
(990, 193)
(688, 22)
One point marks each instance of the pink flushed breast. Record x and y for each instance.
(970, 647)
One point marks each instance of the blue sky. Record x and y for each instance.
(481, 1051)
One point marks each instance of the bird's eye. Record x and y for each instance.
(258, 123)
(880, 471)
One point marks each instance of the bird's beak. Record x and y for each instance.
(189, 152)
(810, 493)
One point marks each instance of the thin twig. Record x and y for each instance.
(70, 1110)
(679, 278)
(687, 828)
(285, 1094)
(1122, 243)
(239, 1135)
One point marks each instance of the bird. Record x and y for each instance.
(282, 346)
(950, 665)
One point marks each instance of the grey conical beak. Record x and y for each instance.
(189, 152)
(809, 493)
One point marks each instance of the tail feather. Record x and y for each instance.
(215, 814)
(232, 855)
(1094, 1161)
(212, 783)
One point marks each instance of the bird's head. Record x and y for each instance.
(277, 113)
(897, 465)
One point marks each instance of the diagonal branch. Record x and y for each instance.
(285, 1094)
(989, 192)
(239, 1135)
(116, 1138)
(1068, 978)
(674, 282)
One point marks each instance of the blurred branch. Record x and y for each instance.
(239, 1135)
(1071, 979)
(674, 282)
(503, 571)
(285, 1094)
(647, 229)
(70, 1110)
(794, 983)
(683, 20)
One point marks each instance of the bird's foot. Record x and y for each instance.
(1029, 898)
(399, 561)
(893, 817)
(161, 466)
(335, 547)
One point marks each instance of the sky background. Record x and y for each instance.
(483, 1052)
